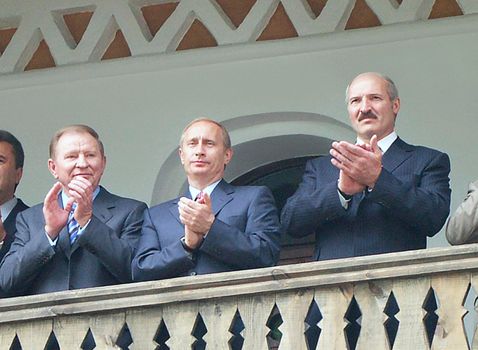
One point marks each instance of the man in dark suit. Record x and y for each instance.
(215, 227)
(81, 235)
(377, 196)
(11, 171)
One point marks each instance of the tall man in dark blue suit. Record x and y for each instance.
(11, 170)
(377, 196)
(215, 226)
(81, 235)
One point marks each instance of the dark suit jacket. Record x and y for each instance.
(410, 201)
(100, 256)
(244, 235)
(10, 227)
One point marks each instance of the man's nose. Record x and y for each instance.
(365, 105)
(81, 161)
(200, 149)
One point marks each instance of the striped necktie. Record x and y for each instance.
(73, 226)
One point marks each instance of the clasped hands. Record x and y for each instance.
(359, 165)
(197, 217)
(80, 191)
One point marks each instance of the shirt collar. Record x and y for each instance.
(7, 207)
(64, 196)
(383, 143)
(194, 191)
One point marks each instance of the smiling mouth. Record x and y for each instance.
(83, 175)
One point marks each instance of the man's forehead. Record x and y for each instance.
(202, 130)
(5, 146)
(6, 150)
(367, 87)
(75, 139)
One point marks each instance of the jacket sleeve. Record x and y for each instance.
(311, 205)
(29, 252)
(422, 201)
(462, 227)
(152, 261)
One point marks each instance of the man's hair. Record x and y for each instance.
(226, 139)
(7, 137)
(78, 128)
(391, 87)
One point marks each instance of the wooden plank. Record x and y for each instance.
(143, 324)
(179, 319)
(7, 334)
(255, 311)
(410, 295)
(34, 335)
(333, 304)
(451, 291)
(372, 299)
(106, 328)
(70, 331)
(293, 307)
(218, 316)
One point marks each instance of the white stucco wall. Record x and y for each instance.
(140, 105)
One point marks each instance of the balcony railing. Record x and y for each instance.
(410, 300)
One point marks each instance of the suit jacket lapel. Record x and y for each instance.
(221, 195)
(398, 152)
(10, 222)
(173, 208)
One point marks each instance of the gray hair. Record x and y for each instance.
(391, 87)
(77, 128)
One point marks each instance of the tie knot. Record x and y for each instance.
(200, 197)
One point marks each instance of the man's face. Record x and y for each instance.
(370, 109)
(203, 154)
(77, 154)
(9, 175)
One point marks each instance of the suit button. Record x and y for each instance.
(193, 273)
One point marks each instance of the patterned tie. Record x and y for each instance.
(73, 226)
(200, 197)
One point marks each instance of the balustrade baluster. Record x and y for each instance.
(179, 318)
(218, 316)
(451, 291)
(333, 303)
(372, 298)
(143, 325)
(293, 307)
(255, 311)
(410, 295)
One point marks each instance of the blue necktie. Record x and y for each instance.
(73, 226)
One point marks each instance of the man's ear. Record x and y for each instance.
(181, 155)
(396, 106)
(228, 156)
(52, 168)
(18, 175)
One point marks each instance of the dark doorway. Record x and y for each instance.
(283, 178)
